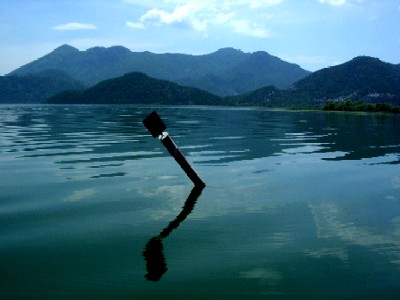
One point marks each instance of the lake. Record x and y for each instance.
(298, 204)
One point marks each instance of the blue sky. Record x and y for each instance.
(312, 33)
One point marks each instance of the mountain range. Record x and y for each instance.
(247, 78)
(225, 72)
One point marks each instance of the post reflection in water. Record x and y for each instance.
(156, 264)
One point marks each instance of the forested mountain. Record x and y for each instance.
(225, 72)
(361, 79)
(136, 88)
(257, 70)
(35, 88)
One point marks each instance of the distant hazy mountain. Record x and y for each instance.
(225, 72)
(256, 70)
(35, 88)
(362, 78)
(136, 88)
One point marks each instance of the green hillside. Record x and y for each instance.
(362, 77)
(136, 88)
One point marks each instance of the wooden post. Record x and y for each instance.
(156, 127)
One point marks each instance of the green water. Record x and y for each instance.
(298, 205)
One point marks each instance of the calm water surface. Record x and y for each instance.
(298, 205)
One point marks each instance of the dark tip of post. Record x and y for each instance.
(154, 124)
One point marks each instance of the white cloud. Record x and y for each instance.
(201, 14)
(250, 3)
(180, 14)
(196, 15)
(248, 28)
(258, 4)
(333, 2)
(74, 26)
(135, 25)
(344, 3)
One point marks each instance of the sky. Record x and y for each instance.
(314, 34)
